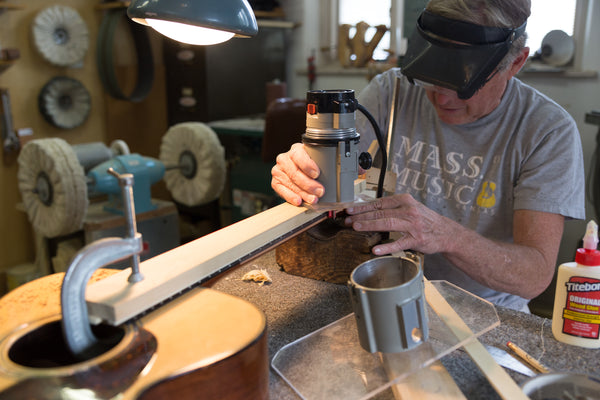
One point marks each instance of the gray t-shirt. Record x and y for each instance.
(525, 154)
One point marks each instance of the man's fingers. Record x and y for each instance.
(404, 243)
(383, 203)
(288, 195)
(303, 176)
(288, 171)
(379, 223)
(302, 160)
(293, 176)
(287, 189)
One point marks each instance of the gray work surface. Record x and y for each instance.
(296, 306)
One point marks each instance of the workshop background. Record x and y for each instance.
(290, 56)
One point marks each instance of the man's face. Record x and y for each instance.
(455, 111)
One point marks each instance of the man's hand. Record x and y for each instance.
(524, 267)
(293, 177)
(422, 229)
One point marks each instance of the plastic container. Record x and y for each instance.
(562, 386)
(576, 314)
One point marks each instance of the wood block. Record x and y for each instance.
(431, 383)
(327, 252)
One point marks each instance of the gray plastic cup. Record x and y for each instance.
(388, 300)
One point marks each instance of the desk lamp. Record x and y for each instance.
(196, 22)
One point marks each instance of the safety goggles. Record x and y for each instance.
(456, 55)
(432, 88)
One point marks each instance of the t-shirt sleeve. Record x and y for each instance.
(552, 175)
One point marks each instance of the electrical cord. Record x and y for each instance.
(381, 148)
(592, 184)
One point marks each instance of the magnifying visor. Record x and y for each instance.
(456, 55)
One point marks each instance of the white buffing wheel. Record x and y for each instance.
(64, 102)
(53, 187)
(194, 147)
(60, 35)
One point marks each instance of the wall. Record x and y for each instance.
(109, 118)
(24, 80)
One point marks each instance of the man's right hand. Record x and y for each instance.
(294, 177)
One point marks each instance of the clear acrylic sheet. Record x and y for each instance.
(330, 363)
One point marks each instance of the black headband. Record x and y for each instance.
(466, 32)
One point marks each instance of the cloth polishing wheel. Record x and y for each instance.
(195, 163)
(60, 35)
(53, 187)
(64, 102)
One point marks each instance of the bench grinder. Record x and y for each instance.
(56, 179)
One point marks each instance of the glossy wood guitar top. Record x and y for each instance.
(203, 344)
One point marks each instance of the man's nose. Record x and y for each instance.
(444, 96)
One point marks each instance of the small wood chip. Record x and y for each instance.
(257, 275)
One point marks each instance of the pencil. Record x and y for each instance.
(530, 360)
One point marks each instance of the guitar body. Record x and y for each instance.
(203, 344)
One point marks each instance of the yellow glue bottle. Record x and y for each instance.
(576, 315)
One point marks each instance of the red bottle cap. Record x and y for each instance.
(588, 257)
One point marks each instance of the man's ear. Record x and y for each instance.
(519, 61)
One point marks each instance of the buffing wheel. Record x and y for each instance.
(53, 187)
(196, 149)
(64, 102)
(60, 35)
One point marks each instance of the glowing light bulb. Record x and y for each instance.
(189, 34)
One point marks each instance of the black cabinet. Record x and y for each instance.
(227, 80)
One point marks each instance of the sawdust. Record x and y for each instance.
(257, 275)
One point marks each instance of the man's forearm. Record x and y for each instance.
(524, 268)
(504, 267)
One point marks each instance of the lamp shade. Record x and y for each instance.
(196, 21)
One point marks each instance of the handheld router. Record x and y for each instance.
(331, 140)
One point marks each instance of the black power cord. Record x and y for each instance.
(381, 148)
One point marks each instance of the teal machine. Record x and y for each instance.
(146, 171)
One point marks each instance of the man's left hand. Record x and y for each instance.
(422, 228)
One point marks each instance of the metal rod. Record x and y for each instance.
(126, 183)
(392, 122)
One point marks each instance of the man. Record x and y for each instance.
(488, 168)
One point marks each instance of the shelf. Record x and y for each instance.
(543, 70)
(4, 65)
(8, 7)
(593, 118)
(272, 23)
(335, 69)
(275, 13)
(112, 4)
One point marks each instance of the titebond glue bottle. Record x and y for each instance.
(576, 316)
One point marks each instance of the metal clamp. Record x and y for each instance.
(75, 322)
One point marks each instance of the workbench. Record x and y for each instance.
(296, 306)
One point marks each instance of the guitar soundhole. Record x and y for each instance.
(45, 347)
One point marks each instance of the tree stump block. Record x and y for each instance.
(327, 252)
